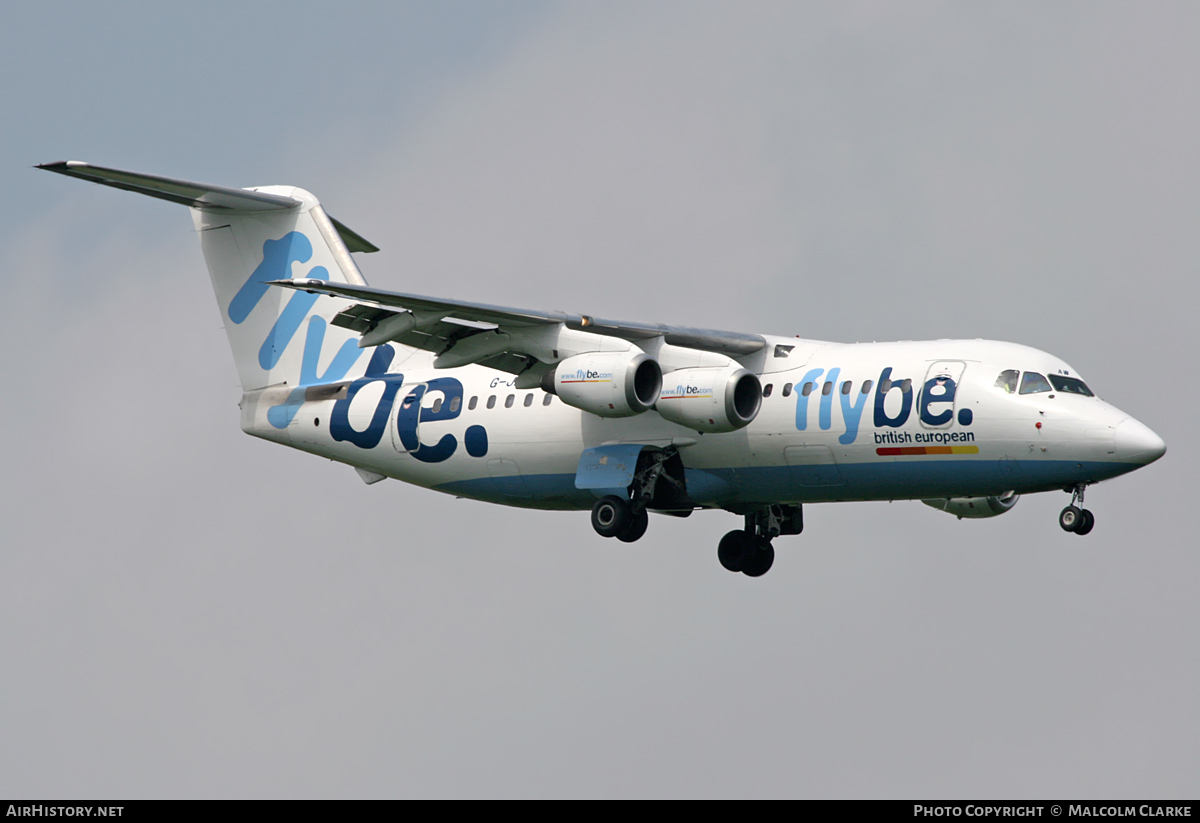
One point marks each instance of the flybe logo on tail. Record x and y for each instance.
(278, 257)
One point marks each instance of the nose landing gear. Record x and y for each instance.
(1075, 518)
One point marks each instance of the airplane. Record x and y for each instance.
(553, 410)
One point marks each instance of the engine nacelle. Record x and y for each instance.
(609, 384)
(962, 507)
(710, 400)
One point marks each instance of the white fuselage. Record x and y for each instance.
(477, 436)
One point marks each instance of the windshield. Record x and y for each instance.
(1070, 385)
(1032, 383)
(1007, 380)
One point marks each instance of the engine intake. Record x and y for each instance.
(711, 400)
(618, 384)
(962, 507)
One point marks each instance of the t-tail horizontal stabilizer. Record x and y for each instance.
(203, 196)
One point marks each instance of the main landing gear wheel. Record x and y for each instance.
(611, 516)
(1086, 523)
(749, 554)
(638, 521)
(732, 550)
(760, 560)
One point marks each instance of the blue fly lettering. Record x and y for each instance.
(802, 392)
(282, 415)
(935, 403)
(278, 257)
(851, 415)
(825, 416)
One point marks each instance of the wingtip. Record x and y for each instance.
(297, 283)
(61, 165)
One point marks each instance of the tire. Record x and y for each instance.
(636, 528)
(761, 560)
(1086, 522)
(732, 550)
(611, 516)
(1070, 518)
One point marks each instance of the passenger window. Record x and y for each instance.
(885, 386)
(906, 386)
(456, 403)
(1032, 383)
(1007, 380)
(866, 388)
(1070, 385)
(474, 402)
(767, 390)
(787, 390)
(546, 399)
(508, 401)
(846, 387)
(807, 390)
(491, 404)
(827, 388)
(437, 405)
(528, 400)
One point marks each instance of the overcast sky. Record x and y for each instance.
(189, 612)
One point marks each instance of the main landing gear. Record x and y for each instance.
(626, 518)
(658, 484)
(749, 550)
(614, 517)
(1075, 518)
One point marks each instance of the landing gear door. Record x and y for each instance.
(939, 394)
(406, 418)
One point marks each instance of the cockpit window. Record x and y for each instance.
(1070, 385)
(1007, 380)
(1032, 383)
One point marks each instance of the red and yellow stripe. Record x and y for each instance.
(898, 451)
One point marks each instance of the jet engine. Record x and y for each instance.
(710, 400)
(608, 384)
(962, 507)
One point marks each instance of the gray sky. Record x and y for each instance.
(188, 611)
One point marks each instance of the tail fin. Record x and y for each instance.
(249, 237)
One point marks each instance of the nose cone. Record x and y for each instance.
(1135, 443)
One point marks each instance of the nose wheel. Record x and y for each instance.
(1075, 518)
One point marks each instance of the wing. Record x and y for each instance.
(436, 324)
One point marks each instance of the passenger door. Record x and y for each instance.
(938, 398)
